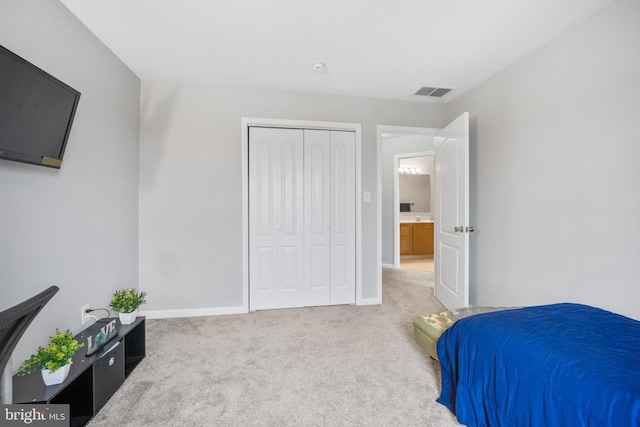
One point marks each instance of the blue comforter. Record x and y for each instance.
(552, 365)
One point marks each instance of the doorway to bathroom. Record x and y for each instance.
(414, 192)
(450, 148)
(406, 156)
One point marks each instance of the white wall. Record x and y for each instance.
(391, 146)
(75, 227)
(555, 178)
(190, 183)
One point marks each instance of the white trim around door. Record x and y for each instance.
(299, 124)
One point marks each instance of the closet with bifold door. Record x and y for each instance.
(301, 217)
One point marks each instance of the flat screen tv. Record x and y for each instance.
(36, 112)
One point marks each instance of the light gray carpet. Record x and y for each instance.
(320, 366)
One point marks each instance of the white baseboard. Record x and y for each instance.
(370, 301)
(388, 266)
(218, 311)
(192, 312)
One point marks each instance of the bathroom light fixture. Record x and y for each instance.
(413, 171)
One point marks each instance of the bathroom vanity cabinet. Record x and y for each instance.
(416, 238)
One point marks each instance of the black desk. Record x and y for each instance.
(92, 379)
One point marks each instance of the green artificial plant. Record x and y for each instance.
(127, 300)
(62, 347)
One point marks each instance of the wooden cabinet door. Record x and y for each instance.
(406, 239)
(421, 239)
(430, 240)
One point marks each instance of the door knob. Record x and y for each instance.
(458, 229)
(469, 229)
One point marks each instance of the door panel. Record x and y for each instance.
(406, 239)
(448, 265)
(275, 218)
(317, 214)
(264, 261)
(340, 269)
(319, 276)
(291, 169)
(452, 195)
(343, 219)
(421, 239)
(289, 277)
(263, 204)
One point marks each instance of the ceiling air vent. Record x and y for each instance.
(437, 92)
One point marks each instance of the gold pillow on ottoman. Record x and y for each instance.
(428, 328)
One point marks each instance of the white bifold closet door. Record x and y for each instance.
(301, 217)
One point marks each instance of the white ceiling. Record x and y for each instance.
(372, 48)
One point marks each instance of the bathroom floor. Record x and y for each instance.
(422, 264)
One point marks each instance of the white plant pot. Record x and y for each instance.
(57, 377)
(128, 318)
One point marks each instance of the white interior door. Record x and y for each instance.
(452, 213)
(276, 218)
(317, 215)
(343, 218)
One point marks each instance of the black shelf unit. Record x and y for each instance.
(92, 379)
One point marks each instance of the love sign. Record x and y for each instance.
(96, 341)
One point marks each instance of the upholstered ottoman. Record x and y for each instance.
(429, 327)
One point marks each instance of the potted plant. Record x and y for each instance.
(126, 302)
(55, 360)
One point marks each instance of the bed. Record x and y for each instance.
(552, 365)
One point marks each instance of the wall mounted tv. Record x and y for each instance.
(36, 112)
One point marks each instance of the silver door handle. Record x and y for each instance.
(469, 229)
(458, 229)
